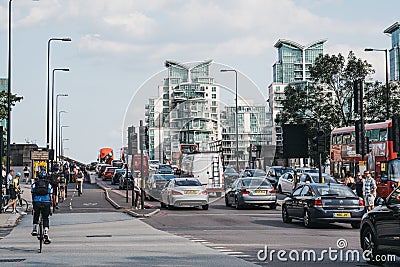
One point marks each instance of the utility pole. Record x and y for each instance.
(142, 145)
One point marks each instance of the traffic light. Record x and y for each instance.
(321, 141)
(314, 144)
(362, 145)
(130, 133)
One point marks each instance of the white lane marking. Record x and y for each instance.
(198, 240)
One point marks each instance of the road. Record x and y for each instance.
(223, 234)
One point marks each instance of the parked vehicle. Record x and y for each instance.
(117, 174)
(153, 164)
(251, 191)
(380, 228)
(274, 172)
(117, 163)
(92, 166)
(108, 173)
(323, 203)
(184, 192)
(156, 183)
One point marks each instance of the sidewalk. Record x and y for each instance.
(10, 220)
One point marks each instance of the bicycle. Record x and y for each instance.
(22, 204)
(40, 235)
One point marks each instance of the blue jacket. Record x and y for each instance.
(45, 198)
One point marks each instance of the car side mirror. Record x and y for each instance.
(381, 201)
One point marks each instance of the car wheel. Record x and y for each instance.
(355, 225)
(227, 202)
(279, 189)
(119, 187)
(368, 243)
(205, 207)
(272, 206)
(307, 220)
(238, 205)
(285, 215)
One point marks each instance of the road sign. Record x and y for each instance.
(39, 155)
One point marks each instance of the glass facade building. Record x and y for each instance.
(394, 52)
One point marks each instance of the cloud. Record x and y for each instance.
(94, 44)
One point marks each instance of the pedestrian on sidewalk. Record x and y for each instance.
(13, 189)
(27, 172)
(369, 191)
(9, 180)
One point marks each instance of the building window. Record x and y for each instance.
(214, 89)
(214, 103)
(214, 96)
(278, 88)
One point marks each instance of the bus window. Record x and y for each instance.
(374, 135)
(339, 139)
(346, 139)
(383, 135)
(394, 170)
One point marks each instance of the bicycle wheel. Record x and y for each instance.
(41, 234)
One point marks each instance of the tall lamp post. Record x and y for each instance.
(58, 146)
(48, 86)
(236, 116)
(61, 138)
(387, 76)
(52, 108)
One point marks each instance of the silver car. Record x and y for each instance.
(184, 192)
(251, 191)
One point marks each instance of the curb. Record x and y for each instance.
(112, 202)
(138, 215)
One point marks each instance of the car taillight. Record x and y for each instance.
(318, 202)
(174, 192)
(204, 192)
(361, 203)
(272, 191)
(245, 192)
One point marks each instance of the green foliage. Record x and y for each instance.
(3, 103)
(328, 98)
(375, 101)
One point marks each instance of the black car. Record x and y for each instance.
(380, 229)
(323, 203)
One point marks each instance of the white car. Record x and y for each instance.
(286, 183)
(184, 192)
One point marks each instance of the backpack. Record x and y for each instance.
(80, 175)
(41, 187)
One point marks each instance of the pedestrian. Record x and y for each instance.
(359, 185)
(27, 172)
(369, 191)
(349, 180)
(9, 180)
(14, 190)
(41, 198)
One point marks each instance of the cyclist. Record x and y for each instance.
(13, 190)
(79, 180)
(41, 199)
(55, 184)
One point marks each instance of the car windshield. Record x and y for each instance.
(188, 182)
(283, 171)
(230, 170)
(255, 182)
(327, 179)
(164, 168)
(334, 190)
(254, 173)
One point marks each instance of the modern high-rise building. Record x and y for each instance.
(291, 68)
(186, 111)
(394, 52)
(254, 127)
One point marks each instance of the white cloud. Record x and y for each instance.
(94, 44)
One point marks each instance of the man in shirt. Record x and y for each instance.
(369, 191)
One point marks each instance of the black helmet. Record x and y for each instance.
(42, 175)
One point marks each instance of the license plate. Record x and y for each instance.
(342, 215)
(259, 192)
(190, 192)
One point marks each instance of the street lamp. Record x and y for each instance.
(48, 86)
(387, 76)
(52, 108)
(58, 123)
(9, 87)
(61, 138)
(236, 116)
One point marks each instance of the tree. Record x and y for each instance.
(328, 97)
(4, 104)
(375, 101)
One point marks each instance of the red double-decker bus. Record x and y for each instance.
(381, 159)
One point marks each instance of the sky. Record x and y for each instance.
(119, 46)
